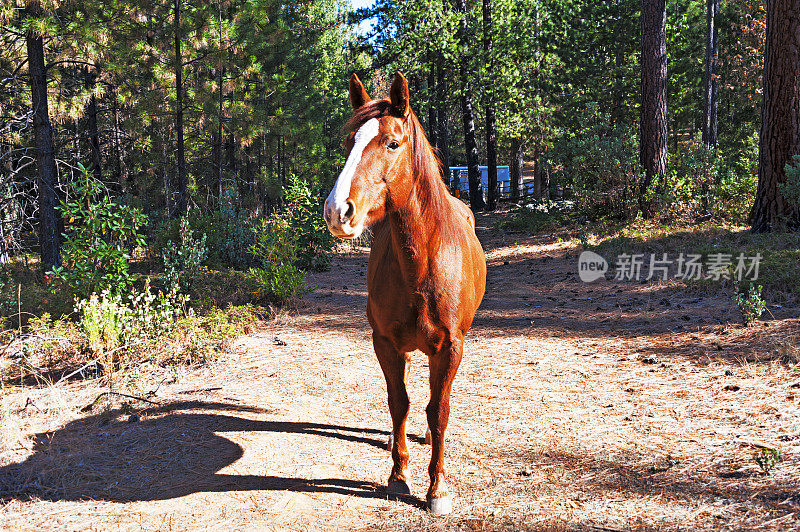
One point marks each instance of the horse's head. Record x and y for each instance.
(380, 147)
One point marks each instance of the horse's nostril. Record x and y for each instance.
(350, 212)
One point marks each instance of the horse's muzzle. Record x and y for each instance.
(340, 218)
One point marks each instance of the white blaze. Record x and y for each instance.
(341, 190)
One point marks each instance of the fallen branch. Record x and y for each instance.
(95, 361)
(91, 405)
(135, 397)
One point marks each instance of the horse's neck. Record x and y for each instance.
(416, 239)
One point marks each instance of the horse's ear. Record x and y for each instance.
(358, 95)
(398, 94)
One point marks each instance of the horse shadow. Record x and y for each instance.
(167, 452)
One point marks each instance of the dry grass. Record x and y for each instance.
(577, 407)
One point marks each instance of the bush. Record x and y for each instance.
(539, 216)
(791, 188)
(102, 321)
(230, 232)
(600, 165)
(738, 180)
(8, 292)
(100, 238)
(701, 183)
(276, 247)
(182, 261)
(750, 303)
(313, 238)
(108, 321)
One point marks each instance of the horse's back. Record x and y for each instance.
(461, 209)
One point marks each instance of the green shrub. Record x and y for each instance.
(692, 172)
(101, 235)
(102, 320)
(599, 164)
(230, 232)
(8, 292)
(767, 458)
(539, 216)
(313, 238)
(278, 278)
(791, 188)
(109, 321)
(182, 260)
(750, 303)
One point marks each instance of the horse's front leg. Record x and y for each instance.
(443, 364)
(393, 363)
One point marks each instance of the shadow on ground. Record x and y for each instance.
(174, 450)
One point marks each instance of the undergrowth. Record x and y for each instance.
(50, 349)
(60, 333)
(779, 265)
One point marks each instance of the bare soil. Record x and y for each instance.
(604, 406)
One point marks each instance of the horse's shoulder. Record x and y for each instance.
(461, 209)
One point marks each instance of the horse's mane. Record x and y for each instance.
(427, 169)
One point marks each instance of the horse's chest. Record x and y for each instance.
(389, 297)
(393, 306)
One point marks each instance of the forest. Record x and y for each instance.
(163, 168)
(222, 112)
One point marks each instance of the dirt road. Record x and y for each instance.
(605, 406)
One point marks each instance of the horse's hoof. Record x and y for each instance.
(428, 437)
(397, 487)
(439, 506)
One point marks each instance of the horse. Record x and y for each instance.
(426, 274)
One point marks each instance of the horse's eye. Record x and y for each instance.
(392, 145)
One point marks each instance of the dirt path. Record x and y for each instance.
(605, 406)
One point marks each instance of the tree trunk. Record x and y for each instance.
(167, 201)
(183, 200)
(221, 112)
(653, 143)
(433, 128)
(92, 134)
(443, 138)
(780, 117)
(491, 132)
(468, 118)
(50, 223)
(710, 76)
(230, 160)
(217, 150)
(617, 109)
(515, 170)
(544, 179)
(118, 175)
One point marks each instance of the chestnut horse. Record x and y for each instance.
(427, 272)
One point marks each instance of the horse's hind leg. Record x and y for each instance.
(443, 366)
(393, 363)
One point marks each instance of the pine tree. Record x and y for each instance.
(50, 224)
(489, 106)
(468, 116)
(780, 117)
(653, 143)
